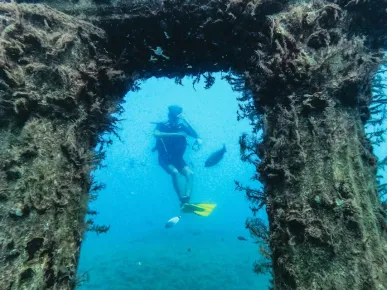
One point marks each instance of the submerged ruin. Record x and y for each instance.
(306, 69)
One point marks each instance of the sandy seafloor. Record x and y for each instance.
(162, 260)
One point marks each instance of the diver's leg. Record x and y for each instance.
(175, 180)
(165, 163)
(188, 173)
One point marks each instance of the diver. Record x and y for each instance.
(171, 143)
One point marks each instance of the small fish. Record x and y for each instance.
(189, 250)
(215, 157)
(172, 222)
(241, 238)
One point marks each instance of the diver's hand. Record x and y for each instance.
(197, 144)
(182, 117)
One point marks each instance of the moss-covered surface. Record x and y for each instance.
(312, 83)
(309, 67)
(53, 80)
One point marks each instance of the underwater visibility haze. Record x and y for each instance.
(198, 252)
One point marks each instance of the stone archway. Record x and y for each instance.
(309, 67)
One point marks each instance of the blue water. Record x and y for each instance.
(199, 252)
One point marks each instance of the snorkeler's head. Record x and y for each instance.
(173, 112)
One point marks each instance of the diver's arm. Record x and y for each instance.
(191, 131)
(157, 133)
(188, 128)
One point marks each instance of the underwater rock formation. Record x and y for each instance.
(308, 66)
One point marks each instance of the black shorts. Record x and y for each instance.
(166, 160)
(171, 152)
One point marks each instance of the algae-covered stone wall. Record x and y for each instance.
(312, 83)
(306, 68)
(54, 82)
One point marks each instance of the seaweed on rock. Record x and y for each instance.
(52, 79)
(306, 69)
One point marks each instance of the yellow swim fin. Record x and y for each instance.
(202, 209)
